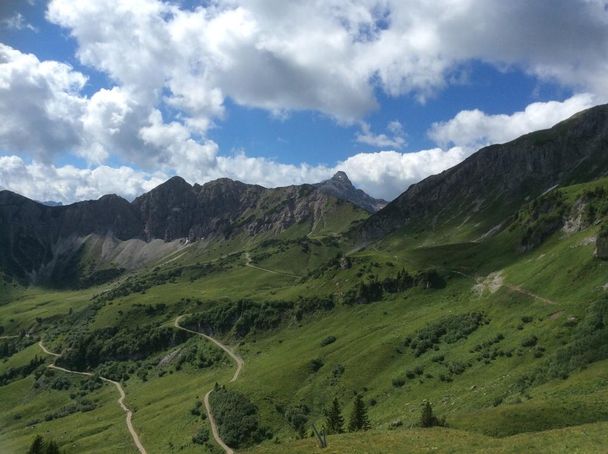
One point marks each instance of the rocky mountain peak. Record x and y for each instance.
(341, 177)
(175, 183)
(340, 186)
(106, 198)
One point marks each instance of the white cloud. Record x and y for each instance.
(17, 22)
(329, 56)
(386, 174)
(383, 174)
(68, 184)
(395, 137)
(474, 128)
(40, 105)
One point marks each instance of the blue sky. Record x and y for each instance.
(117, 96)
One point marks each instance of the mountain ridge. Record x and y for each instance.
(33, 234)
(491, 184)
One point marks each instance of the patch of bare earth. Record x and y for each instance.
(489, 284)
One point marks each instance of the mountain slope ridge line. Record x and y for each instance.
(239, 366)
(121, 392)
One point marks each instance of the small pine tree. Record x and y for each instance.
(52, 448)
(334, 419)
(37, 446)
(358, 418)
(427, 418)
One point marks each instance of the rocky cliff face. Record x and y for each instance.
(30, 232)
(340, 187)
(33, 235)
(223, 208)
(601, 244)
(492, 183)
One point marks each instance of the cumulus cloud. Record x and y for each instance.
(474, 128)
(387, 174)
(383, 174)
(171, 70)
(17, 22)
(394, 137)
(329, 56)
(40, 105)
(69, 184)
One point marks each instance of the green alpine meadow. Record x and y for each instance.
(470, 314)
(303, 226)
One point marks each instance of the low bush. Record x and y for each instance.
(449, 330)
(328, 340)
(237, 418)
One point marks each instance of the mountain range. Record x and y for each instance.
(36, 239)
(485, 190)
(477, 301)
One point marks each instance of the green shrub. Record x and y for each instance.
(589, 344)
(449, 330)
(88, 350)
(243, 317)
(201, 437)
(196, 410)
(529, 341)
(398, 382)
(315, 365)
(328, 340)
(427, 419)
(297, 416)
(237, 418)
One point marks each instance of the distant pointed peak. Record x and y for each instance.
(341, 177)
(107, 197)
(110, 199)
(175, 182)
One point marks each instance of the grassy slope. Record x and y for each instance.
(368, 337)
(99, 430)
(585, 438)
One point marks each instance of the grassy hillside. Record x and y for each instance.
(505, 335)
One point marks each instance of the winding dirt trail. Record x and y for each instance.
(239, 366)
(250, 265)
(514, 288)
(121, 392)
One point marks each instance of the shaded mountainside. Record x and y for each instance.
(224, 208)
(33, 234)
(37, 240)
(489, 186)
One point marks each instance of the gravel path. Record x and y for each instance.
(121, 392)
(239, 366)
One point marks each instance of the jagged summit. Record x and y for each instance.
(106, 197)
(173, 183)
(341, 177)
(174, 210)
(341, 187)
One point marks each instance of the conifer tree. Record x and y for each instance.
(427, 418)
(52, 448)
(334, 419)
(37, 446)
(358, 418)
